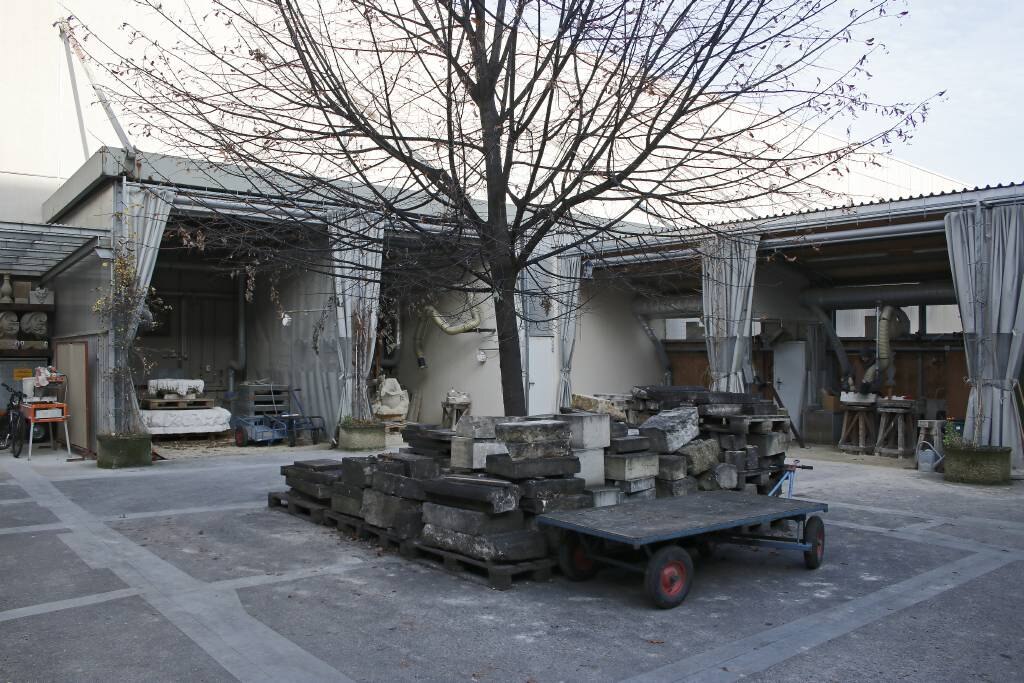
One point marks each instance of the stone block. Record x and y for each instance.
(605, 496)
(537, 449)
(752, 461)
(588, 430)
(473, 522)
(505, 466)
(348, 506)
(625, 466)
(532, 431)
(619, 428)
(706, 481)
(629, 444)
(409, 520)
(675, 487)
(317, 491)
(312, 476)
(772, 443)
(342, 489)
(726, 475)
(737, 459)
(591, 465)
(513, 546)
(750, 489)
(670, 430)
(649, 494)
(631, 486)
(380, 509)
(398, 485)
(480, 426)
(672, 467)
(550, 488)
(490, 495)
(317, 465)
(701, 455)
(417, 466)
(358, 471)
(539, 506)
(471, 454)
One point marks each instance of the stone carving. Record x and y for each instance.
(34, 324)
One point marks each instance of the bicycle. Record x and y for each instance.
(12, 429)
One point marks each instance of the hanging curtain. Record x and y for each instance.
(357, 288)
(727, 282)
(986, 256)
(570, 270)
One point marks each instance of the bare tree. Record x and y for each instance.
(498, 134)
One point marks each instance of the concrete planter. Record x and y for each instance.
(977, 464)
(124, 450)
(368, 437)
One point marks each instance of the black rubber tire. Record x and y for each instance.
(292, 438)
(5, 434)
(241, 437)
(814, 533)
(314, 435)
(573, 560)
(17, 436)
(668, 577)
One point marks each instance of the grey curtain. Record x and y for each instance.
(727, 283)
(357, 288)
(569, 272)
(986, 255)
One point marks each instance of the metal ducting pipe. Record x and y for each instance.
(659, 348)
(390, 361)
(689, 306)
(236, 367)
(834, 341)
(866, 297)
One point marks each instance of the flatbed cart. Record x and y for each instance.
(661, 530)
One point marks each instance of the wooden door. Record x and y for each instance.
(72, 358)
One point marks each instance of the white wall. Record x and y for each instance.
(612, 352)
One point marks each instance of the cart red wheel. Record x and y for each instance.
(314, 435)
(814, 534)
(573, 560)
(241, 437)
(669, 576)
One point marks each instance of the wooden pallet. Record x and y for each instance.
(498, 575)
(343, 522)
(745, 424)
(177, 403)
(300, 507)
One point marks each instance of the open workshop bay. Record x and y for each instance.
(181, 572)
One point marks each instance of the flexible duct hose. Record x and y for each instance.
(421, 329)
(889, 324)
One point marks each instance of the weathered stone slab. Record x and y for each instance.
(649, 494)
(409, 520)
(726, 475)
(619, 428)
(675, 487)
(701, 455)
(471, 454)
(480, 426)
(549, 488)
(398, 485)
(626, 466)
(514, 546)
(772, 443)
(539, 506)
(317, 491)
(605, 496)
(380, 509)
(359, 471)
(670, 430)
(629, 444)
(417, 466)
(492, 495)
(630, 486)
(537, 468)
(532, 431)
(538, 449)
(591, 465)
(342, 489)
(347, 506)
(312, 476)
(752, 458)
(473, 522)
(588, 430)
(672, 467)
(317, 465)
(737, 459)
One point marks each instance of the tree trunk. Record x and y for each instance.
(513, 394)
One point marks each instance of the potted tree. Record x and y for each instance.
(128, 444)
(360, 435)
(967, 462)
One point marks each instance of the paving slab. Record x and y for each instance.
(40, 567)
(120, 640)
(25, 514)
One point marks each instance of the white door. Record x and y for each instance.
(790, 359)
(543, 375)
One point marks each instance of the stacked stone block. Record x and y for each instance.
(312, 480)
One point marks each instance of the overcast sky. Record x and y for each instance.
(972, 49)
